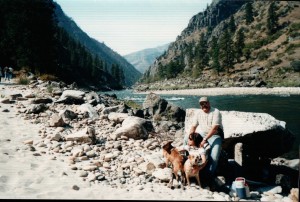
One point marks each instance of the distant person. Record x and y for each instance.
(208, 123)
(10, 73)
(5, 70)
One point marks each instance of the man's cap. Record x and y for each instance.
(203, 99)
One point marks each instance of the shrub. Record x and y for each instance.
(294, 27)
(50, 89)
(285, 42)
(283, 70)
(290, 48)
(296, 65)
(274, 62)
(263, 54)
(280, 55)
(259, 26)
(294, 34)
(132, 104)
(48, 77)
(23, 80)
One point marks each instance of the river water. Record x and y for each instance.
(282, 107)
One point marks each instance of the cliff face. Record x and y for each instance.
(212, 16)
(267, 59)
(218, 11)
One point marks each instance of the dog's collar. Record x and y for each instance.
(194, 170)
(192, 166)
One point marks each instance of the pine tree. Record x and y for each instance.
(227, 54)
(232, 26)
(249, 13)
(161, 72)
(201, 55)
(209, 30)
(239, 44)
(117, 74)
(272, 20)
(215, 52)
(105, 65)
(113, 70)
(122, 77)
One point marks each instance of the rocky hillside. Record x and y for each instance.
(141, 60)
(232, 43)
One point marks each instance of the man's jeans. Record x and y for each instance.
(213, 158)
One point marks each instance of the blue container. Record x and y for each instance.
(241, 192)
(240, 187)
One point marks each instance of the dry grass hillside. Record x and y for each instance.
(274, 60)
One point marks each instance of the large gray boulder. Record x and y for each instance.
(36, 108)
(87, 135)
(155, 105)
(133, 127)
(71, 97)
(117, 117)
(88, 108)
(260, 133)
(67, 114)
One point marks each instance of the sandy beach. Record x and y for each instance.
(230, 91)
(26, 174)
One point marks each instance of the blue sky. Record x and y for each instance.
(127, 26)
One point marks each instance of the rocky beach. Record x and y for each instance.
(61, 142)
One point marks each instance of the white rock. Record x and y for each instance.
(236, 123)
(163, 174)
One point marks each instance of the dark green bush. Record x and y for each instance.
(294, 27)
(296, 65)
(48, 77)
(263, 55)
(23, 80)
(274, 62)
(290, 48)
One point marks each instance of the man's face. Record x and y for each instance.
(205, 106)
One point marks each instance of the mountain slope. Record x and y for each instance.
(141, 60)
(97, 48)
(266, 57)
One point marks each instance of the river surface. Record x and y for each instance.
(282, 107)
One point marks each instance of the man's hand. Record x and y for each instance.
(202, 143)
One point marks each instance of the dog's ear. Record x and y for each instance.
(168, 147)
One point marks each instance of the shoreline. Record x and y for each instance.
(229, 91)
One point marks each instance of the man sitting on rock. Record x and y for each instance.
(208, 123)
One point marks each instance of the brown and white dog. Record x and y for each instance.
(192, 168)
(173, 156)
